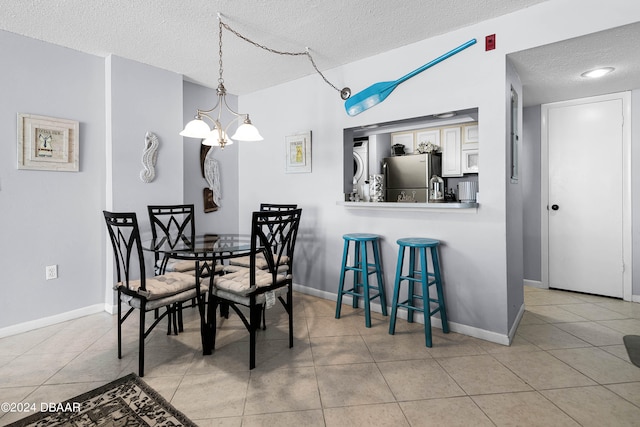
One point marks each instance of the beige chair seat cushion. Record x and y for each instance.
(239, 282)
(261, 261)
(163, 302)
(162, 286)
(180, 265)
(244, 300)
(282, 269)
(233, 268)
(187, 266)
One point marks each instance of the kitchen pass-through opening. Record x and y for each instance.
(382, 160)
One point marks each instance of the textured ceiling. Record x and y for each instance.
(552, 73)
(182, 36)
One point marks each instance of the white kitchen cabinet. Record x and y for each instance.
(403, 138)
(451, 151)
(470, 161)
(470, 151)
(470, 137)
(428, 136)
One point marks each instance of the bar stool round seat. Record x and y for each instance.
(362, 269)
(417, 247)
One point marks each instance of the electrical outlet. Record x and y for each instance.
(51, 272)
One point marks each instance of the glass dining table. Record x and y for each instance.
(207, 251)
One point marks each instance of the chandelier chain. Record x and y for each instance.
(220, 79)
(268, 49)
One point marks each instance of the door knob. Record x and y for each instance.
(555, 207)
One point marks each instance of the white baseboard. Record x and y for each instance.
(51, 320)
(419, 317)
(111, 309)
(315, 292)
(635, 298)
(514, 327)
(534, 284)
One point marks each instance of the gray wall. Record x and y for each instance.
(50, 217)
(56, 217)
(473, 250)
(225, 219)
(140, 99)
(530, 172)
(144, 99)
(514, 207)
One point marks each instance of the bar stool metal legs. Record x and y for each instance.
(362, 269)
(418, 246)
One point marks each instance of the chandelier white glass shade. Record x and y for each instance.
(218, 136)
(214, 137)
(247, 132)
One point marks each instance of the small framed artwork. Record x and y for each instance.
(298, 153)
(47, 143)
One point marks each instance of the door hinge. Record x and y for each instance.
(623, 266)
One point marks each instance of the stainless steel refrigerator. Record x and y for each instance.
(406, 178)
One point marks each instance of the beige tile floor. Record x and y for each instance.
(566, 366)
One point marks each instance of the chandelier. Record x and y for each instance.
(198, 128)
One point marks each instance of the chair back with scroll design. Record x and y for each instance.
(173, 223)
(127, 247)
(274, 234)
(243, 261)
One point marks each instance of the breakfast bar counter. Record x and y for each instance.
(399, 206)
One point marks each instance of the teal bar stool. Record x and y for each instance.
(362, 269)
(418, 247)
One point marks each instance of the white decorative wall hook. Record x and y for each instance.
(149, 156)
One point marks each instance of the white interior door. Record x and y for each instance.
(585, 195)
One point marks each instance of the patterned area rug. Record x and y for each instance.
(127, 401)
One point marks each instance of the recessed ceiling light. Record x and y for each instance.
(445, 115)
(598, 72)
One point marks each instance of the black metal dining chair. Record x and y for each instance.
(273, 238)
(137, 290)
(173, 223)
(243, 261)
(176, 225)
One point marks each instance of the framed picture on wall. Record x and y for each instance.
(298, 153)
(47, 143)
